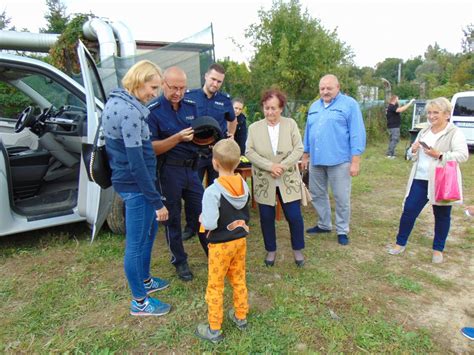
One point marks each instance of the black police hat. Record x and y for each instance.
(206, 131)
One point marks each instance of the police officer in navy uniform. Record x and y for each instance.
(171, 134)
(211, 102)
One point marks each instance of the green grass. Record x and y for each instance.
(59, 293)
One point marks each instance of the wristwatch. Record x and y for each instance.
(440, 156)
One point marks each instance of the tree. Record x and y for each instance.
(237, 79)
(5, 21)
(468, 40)
(56, 17)
(293, 51)
(409, 67)
(388, 69)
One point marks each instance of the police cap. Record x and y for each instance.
(206, 130)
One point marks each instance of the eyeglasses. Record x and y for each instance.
(175, 88)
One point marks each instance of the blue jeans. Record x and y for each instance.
(141, 227)
(416, 200)
(292, 211)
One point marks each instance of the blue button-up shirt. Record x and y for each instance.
(164, 122)
(219, 106)
(334, 134)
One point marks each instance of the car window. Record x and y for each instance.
(12, 101)
(21, 88)
(464, 106)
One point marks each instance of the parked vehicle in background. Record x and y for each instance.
(43, 180)
(463, 115)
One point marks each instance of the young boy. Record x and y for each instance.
(225, 215)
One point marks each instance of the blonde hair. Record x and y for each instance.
(140, 73)
(441, 103)
(227, 153)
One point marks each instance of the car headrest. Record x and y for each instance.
(206, 131)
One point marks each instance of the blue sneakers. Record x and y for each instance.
(316, 230)
(343, 239)
(150, 307)
(156, 284)
(468, 332)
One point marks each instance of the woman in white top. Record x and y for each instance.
(440, 142)
(274, 147)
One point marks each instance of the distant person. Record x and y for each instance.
(274, 148)
(334, 140)
(394, 121)
(133, 164)
(171, 134)
(240, 135)
(442, 142)
(225, 215)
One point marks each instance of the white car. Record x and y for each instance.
(43, 180)
(463, 114)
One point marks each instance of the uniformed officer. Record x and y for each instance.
(170, 126)
(211, 102)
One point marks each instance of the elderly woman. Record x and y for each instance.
(440, 142)
(274, 147)
(133, 164)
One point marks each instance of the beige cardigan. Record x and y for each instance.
(259, 152)
(452, 145)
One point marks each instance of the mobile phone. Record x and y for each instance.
(426, 146)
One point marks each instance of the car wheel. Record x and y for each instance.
(116, 216)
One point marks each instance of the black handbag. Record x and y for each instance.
(97, 162)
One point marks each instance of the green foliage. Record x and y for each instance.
(63, 53)
(406, 90)
(293, 50)
(12, 101)
(56, 17)
(388, 69)
(468, 40)
(5, 21)
(375, 123)
(238, 79)
(409, 67)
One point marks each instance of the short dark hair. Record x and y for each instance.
(268, 94)
(217, 67)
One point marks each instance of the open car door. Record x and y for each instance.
(97, 200)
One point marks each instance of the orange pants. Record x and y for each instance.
(226, 259)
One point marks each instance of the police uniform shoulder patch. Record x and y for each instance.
(189, 101)
(153, 104)
(224, 94)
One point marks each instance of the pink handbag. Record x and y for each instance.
(446, 182)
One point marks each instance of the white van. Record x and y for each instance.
(463, 114)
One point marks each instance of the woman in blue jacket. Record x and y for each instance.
(133, 165)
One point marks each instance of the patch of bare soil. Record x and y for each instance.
(442, 310)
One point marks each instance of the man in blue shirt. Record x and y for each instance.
(211, 102)
(334, 140)
(171, 134)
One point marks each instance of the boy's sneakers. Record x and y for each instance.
(239, 323)
(204, 332)
(155, 284)
(468, 332)
(150, 307)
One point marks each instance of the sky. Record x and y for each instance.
(374, 30)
